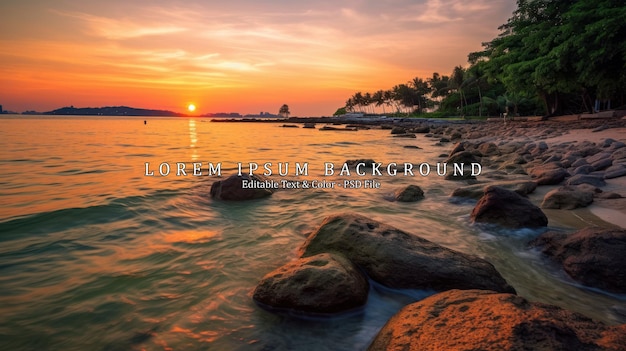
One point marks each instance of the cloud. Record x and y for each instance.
(119, 29)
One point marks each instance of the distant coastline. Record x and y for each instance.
(140, 112)
(112, 111)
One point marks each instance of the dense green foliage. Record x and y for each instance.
(552, 57)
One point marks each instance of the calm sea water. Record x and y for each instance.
(94, 255)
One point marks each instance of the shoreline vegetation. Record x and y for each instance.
(550, 58)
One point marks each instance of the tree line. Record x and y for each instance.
(552, 57)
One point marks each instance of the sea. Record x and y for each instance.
(97, 255)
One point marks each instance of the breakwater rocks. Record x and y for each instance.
(485, 320)
(385, 254)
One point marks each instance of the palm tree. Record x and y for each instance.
(456, 82)
(378, 99)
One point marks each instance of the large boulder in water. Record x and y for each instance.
(401, 260)
(232, 188)
(484, 320)
(323, 283)
(508, 209)
(595, 257)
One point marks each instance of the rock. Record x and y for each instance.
(607, 142)
(508, 209)
(367, 163)
(586, 179)
(549, 174)
(465, 157)
(586, 169)
(231, 188)
(619, 155)
(412, 147)
(580, 162)
(458, 147)
(615, 171)
(489, 149)
(405, 135)
(521, 187)
(323, 283)
(484, 320)
(617, 145)
(421, 130)
(398, 130)
(602, 164)
(599, 156)
(600, 128)
(592, 256)
(401, 260)
(567, 198)
(410, 193)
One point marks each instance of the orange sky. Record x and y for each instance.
(230, 56)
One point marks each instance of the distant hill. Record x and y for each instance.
(112, 111)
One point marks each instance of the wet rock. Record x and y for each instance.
(484, 320)
(412, 147)
(398, 130)
(598, 157)
(232, 188)
(401, 260)
(508, 209)
(488, 149)
(324, 283)
(619, 156)
(586, 169)
(580, 162)
(476, 191)
(615, 171)
(600, 128)
(405, 135)
(548, 174)
(607, 142)
(458, 147)
(410, 193)
(366, 163)
(465, 157)
(617, 145)
(586, 179)
(567, 198)
(592, 256)
(420, 130)
(602, 164)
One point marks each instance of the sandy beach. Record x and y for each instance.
(559, 138)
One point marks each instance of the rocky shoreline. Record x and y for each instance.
(569, 164)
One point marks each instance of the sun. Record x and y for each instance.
(191, 107)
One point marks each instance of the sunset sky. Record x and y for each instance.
(241, 56)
